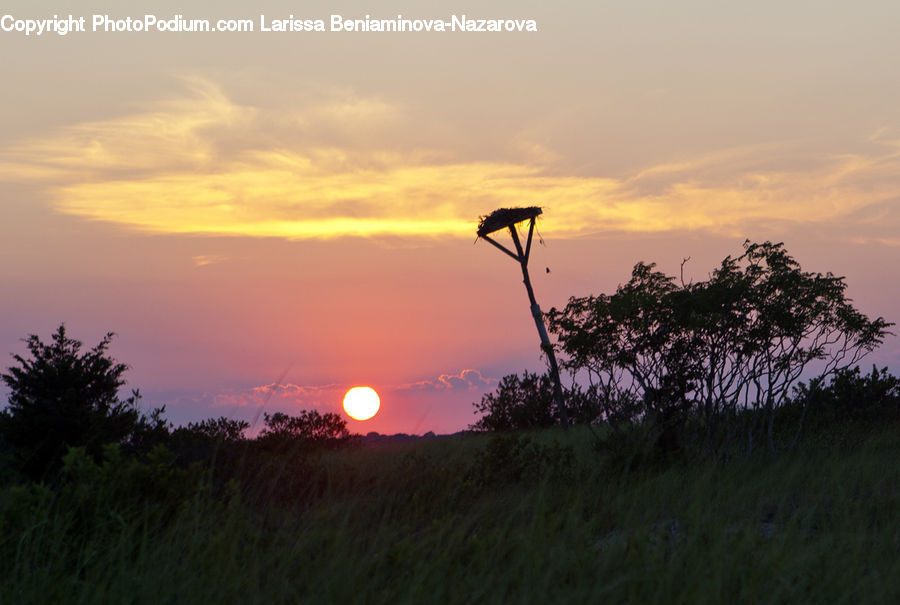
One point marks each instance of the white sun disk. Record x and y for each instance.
(361, 403)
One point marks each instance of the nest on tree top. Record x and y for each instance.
(504, 217)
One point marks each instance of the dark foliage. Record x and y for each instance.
(214, 438)
(850, 396)
(282, 465)
(518, 403)
(527, 402)
(63, 397)
(220, 429)
(308, 428)
(665, 352)
(94, 499)
(510, 458)
(150, 431)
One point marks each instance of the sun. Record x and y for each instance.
(361, 403)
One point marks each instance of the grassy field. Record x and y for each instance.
(468, 519)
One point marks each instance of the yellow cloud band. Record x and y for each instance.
(204, 165)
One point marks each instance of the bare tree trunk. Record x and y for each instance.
(538, 316)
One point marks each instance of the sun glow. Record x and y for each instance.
(361, 403)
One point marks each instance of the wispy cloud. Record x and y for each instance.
(201, 260)
(277, 395)
(203, 164)
(467, 379)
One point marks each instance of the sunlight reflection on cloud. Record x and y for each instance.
(467, 379)
(206, 165)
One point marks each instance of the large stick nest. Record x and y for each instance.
(504, 217)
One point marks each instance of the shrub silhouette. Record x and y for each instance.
(308, 428)
(528, 402)
(715, 349)
(221, 429)
(518, 403)
(64, 397)
(851, 395)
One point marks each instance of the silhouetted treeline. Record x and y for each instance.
(713, 366)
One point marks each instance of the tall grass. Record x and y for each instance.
(435, 522)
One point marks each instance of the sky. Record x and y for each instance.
(266, 219)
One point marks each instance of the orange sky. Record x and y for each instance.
(269, 219)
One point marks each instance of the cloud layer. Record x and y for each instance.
(204, 164)
(468, 379)
(279, 395)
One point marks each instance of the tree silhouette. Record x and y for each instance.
(735, 343)
(529, 401)
(309, 427)
(222, 429)
(518, 403)
(62, 397)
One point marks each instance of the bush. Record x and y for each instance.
(211, 439)
(221, 429)
(62, 397)
(738, 341)
(850, 395)
(518, 403)
(308, 428)
(528, 402)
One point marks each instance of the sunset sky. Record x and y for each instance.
(268, 219)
